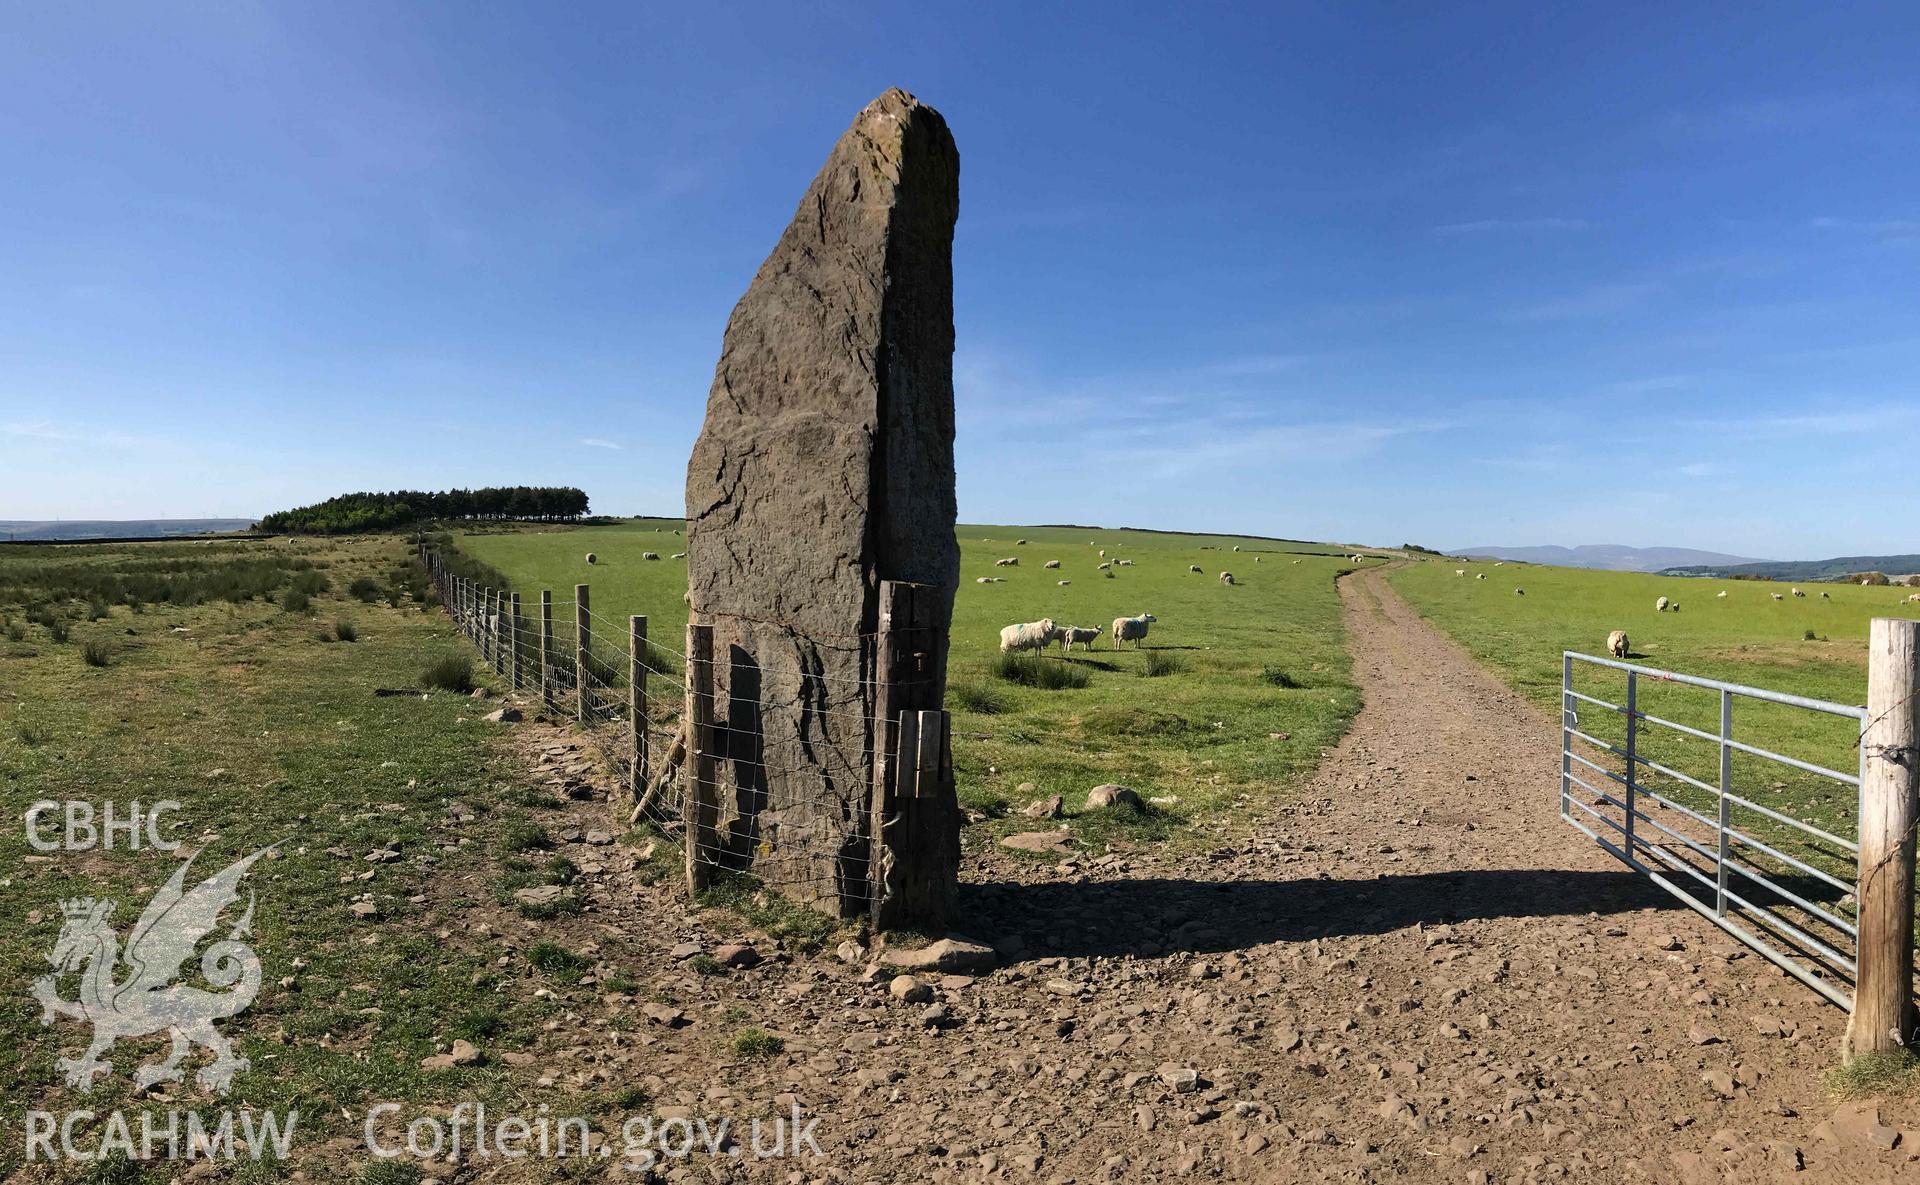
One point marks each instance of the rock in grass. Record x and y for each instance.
(505, 716)
(910, 989)
(1050, 807)
(1112, 794)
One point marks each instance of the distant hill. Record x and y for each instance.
(1612, 557)
(1846, 565)
(143, 528)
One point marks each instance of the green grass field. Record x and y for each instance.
(263, 725)
(1254, 679)
(1744, 637)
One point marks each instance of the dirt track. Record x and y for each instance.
(1416, 971)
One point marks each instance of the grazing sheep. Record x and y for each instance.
(592, 558)
(1824, 596)
(1193, 567)
(1256, 559)
(1063, 583)
(1519, 592)
(1124, 563)
(1084, 635)
(678, 555)
(1226, 578)
(1236, 547)
(1479, 575)
(1051, 564)
(1103, 553)
(1010, 562)
(1721, 593)
(1459, 571)
(1617, 643)
(1778, 597)
(1798, 593)
(1103, 567)
(1660, 606)
(1131, 629)
(1911, 598)
(1032, 635)
(1019, 542)
(649, 555)
(983, 580)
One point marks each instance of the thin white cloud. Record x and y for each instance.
(1893, 232)
(1486, 225)
(48, 433)
(1599, 301)
(1698, 469)
(597, 442)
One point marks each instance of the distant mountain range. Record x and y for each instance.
(144, 528)
(1846, 565)
(1613, 557)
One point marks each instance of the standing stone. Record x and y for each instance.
(825, 466)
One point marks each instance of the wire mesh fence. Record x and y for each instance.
(803, 759)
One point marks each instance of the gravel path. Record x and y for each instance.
(1414, 971)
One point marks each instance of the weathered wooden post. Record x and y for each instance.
(915, 859)
(702, 808)
(546, 647)
(582, 697)
(637, 705)
(1883, 1008)
(516, 629)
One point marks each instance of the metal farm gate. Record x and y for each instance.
(1710, 817)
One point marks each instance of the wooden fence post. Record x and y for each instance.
(516, 627)
(915, 837)
(1883, 1007)
(546, 647)
(637, 705)
(701, 810)
(581, 696)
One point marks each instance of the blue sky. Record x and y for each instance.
(1377, 273)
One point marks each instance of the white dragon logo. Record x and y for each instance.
(148, 1000)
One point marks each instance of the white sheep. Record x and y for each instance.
(983, 580)
(678, 555)
(1778, 597)
(1103, 553)
(1660, 606)
(1722, 594)
(1256, 559)
(1051, 564)
(1063, 583)
(1479, 575)
(1798, 593)
(1236, 547)
(592, 558)
(1519, 592)
(1226, 578)
(1459, 571)
(1617, 643)
(1103, 567)
(649, 555)
(1824, 596)
(1010, 562)
(1193, 567)
(1031, 635)
(1019, 542)
(1131, 629)
(1084, 635)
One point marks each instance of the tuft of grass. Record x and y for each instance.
(1278, 677)
(390, 1172)
(1159, 662)
(32, 735)
(976, 697)
(344, 631)
(1031, 670)
(1876, 1074)
(524, 835)
(1121, 720)
(97, 610)
(767, 910)
(16, 632)
(295, 601)
(95, 653)
(705, 964)
(479, 1024)
(449, 672)
(557, 962)
(757, 1042)
(59, 630)
(364, 588)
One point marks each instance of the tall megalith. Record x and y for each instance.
(823, 477)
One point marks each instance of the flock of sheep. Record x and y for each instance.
(1038, 635)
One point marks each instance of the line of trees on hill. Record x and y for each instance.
(401, 508)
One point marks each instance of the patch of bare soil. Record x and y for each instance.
(1415, 972)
